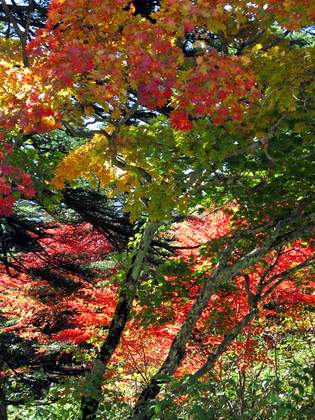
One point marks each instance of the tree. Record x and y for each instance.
(55, 298)
(183, 105)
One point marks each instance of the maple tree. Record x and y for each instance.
(174, 107)
(54, 299)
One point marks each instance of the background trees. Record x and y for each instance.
(133, 116)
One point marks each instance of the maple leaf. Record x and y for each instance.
(180, 121)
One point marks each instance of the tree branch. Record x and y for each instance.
(221, 273)
(22, 35)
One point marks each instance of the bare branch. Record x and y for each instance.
(22, 35)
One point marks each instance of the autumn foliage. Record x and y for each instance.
(186, 130)
(14, 182)
(53, 300)
(48, 296)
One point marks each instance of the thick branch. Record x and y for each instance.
(233, 333)
(223, 346)
(221, 273)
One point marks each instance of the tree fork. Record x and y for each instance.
(178, 348)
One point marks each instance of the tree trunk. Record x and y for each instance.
(89, 404)
(3, 403)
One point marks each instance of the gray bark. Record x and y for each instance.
(89, 404)
(280, 234)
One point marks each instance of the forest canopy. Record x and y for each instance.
(157, 209)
